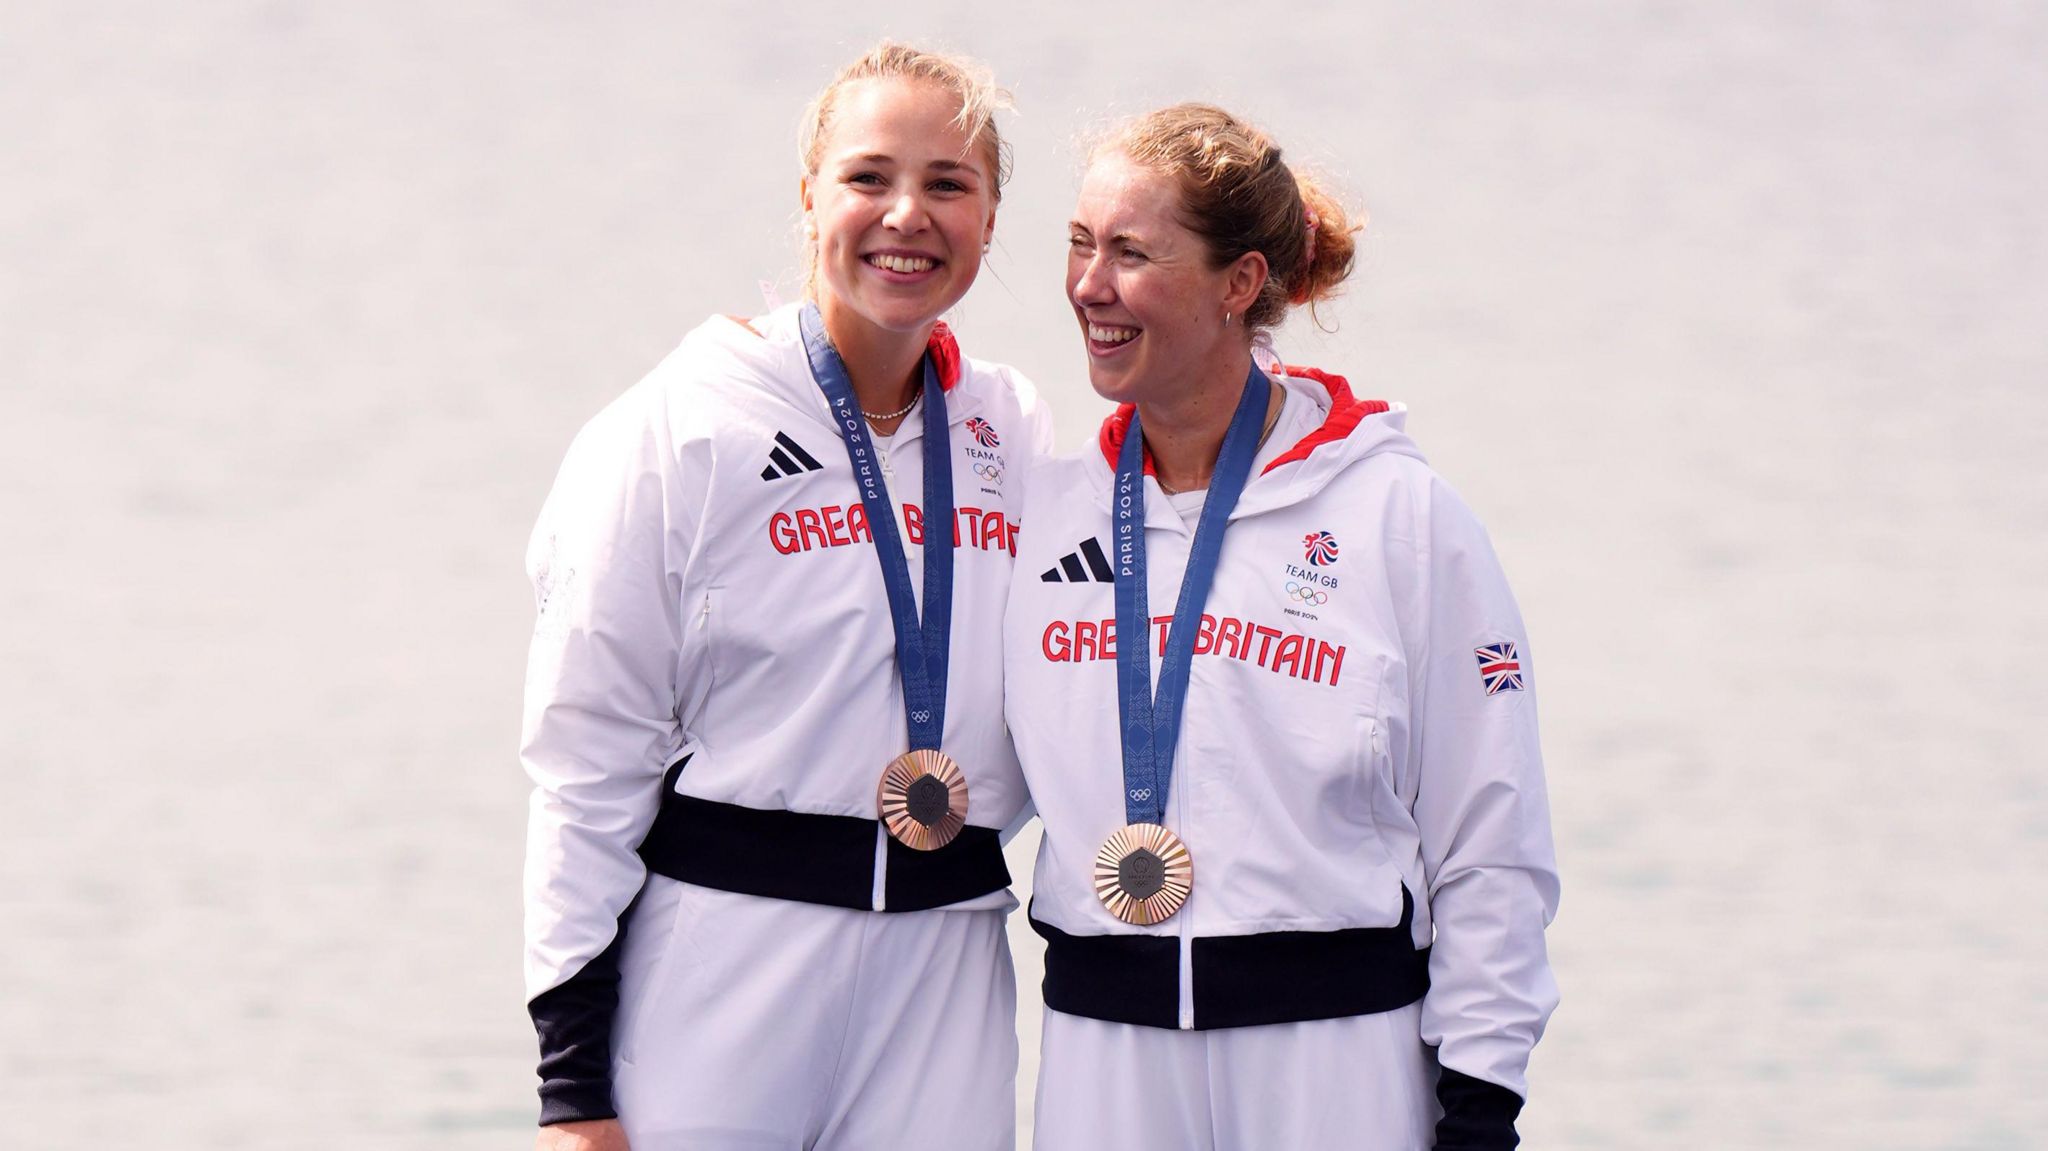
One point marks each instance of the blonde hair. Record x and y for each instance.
(1239, 196)
(975, 86)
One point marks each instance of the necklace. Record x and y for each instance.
(1266, 433)
(899, 413)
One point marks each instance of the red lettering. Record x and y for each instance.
(1337, 662)
(1054, 642)
(1230, 633)
(1289, 656)
(1084, 641)
(1105, 639)
(968, 530)
(857, 524)
(1165, 624)
(782, 533)
(835, 527)
(1010, 538)
(991, 530)
(913, 523)
(810, 527)
(1205, 635)
(1266, 637)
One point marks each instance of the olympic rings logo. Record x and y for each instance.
(1303, 593)
(989, 472)
(1141, 794)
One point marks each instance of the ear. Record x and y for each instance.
(988, 230)
(803, 192)
(1243, 280)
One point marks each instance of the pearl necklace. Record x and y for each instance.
(899, 413)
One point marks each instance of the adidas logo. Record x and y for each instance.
(1071, 569)
(788, 458)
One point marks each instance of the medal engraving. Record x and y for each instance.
(1143, 874)
(928, 800)
(922, 799)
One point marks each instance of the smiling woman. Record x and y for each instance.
(1311, 915)
(902, 178)
(765, 888)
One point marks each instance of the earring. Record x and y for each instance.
(1226, 319)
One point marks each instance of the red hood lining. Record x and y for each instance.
(943, 348)
(945, 353)
(1345, 414)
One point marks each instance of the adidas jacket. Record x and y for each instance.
(708, 592)
(1359, 731)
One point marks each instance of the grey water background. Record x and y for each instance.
(1727, 318)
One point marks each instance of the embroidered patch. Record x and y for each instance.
(1499, 668)
(1319, 548)
(984, 433)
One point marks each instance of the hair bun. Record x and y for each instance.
(1239, 196)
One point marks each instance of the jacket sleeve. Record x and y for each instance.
(1485, 826)
(600, 724)
(1038, 449)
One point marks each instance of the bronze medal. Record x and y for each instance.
(923, 799)
(1143, 874)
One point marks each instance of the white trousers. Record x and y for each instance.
(750, 1024)
(1362, 1083)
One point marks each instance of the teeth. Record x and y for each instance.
(1104, 335)
(903, 263)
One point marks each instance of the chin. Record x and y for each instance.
(1117, 385)
(903, 314)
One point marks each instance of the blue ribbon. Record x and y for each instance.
(1151, 728)
(921, 649)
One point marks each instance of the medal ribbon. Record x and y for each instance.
(922, 649)
(1151, 727)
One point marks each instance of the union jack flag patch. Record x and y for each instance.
(983, 432)
(1499, 668)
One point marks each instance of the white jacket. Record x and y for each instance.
(1338, 743)
(707, 589)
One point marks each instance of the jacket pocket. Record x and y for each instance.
(660, 944)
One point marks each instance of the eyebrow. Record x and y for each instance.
(1114, 237)
(940, 165)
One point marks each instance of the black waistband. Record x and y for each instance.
(808, 858)
(1240, 980)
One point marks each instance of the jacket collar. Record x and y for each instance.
(770, 349)
(1345, 413)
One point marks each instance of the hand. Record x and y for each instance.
(587, 1135)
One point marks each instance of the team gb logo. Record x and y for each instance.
(983, 432)
(1319, 548)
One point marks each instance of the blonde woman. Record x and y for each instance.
(1274, 702)
(764, 890)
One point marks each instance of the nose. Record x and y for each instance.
(1089, 282)
(906, 214)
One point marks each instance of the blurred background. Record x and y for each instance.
(1727, 318)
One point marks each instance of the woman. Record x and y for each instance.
(764, 889)
(1243, 872)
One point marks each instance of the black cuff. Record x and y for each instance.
(574, 1023)
(1478, 1116)
(567, 1101)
